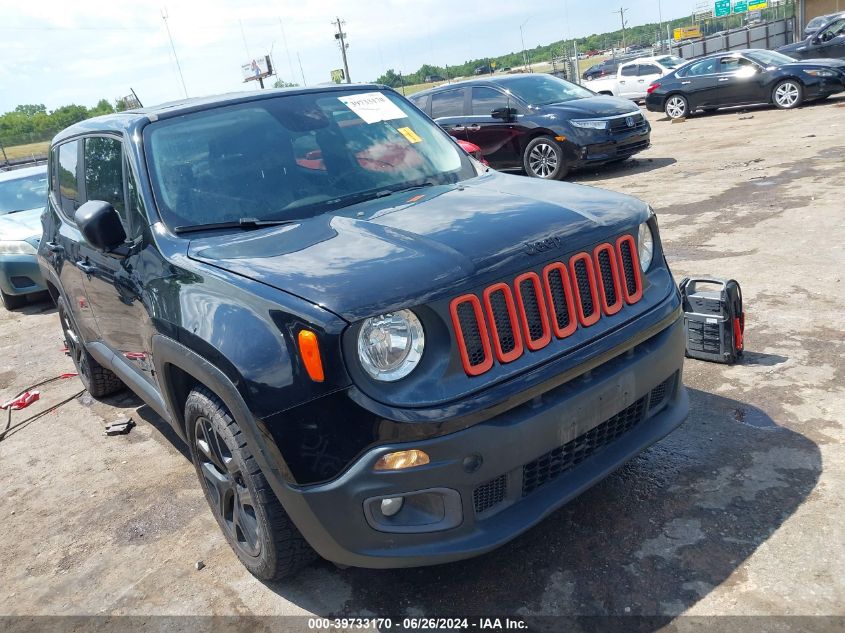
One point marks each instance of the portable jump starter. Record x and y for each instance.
(714, 322)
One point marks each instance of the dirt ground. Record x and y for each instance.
(738, 512)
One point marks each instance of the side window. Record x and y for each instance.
(54, 171)
(629, 71)
(485, 100)
(103, 161)
(137, 211)
(421, 102)
(448, 103)
(648, 69)
(704, 67)
(833, 29)
(733, 64)
(68, 178)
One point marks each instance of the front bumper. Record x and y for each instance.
(20, 275)
(490, 482)
(614, 147)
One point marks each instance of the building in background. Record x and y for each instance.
(810, 9)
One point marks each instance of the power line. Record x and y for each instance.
(164, 17)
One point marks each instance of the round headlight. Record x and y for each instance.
(391, 345)
(646, 246)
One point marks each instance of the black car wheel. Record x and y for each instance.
(543, 158)
(788, 94)
(677, 107)
(98, 380)
(253, 521)
(12, 302)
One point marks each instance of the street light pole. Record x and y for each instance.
(660, 17)
(526, 60)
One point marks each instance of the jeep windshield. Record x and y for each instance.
(540, 89)
(291, 157)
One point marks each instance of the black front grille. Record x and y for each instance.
(490, 494)
(628, 267)
(658, 395)
(528, 294)
(472, 334)
(583, 280)
(559, 305)
(556, 462)
(621, 124)
(502, 321)
(606, 272)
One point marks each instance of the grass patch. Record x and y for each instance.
(27, 151)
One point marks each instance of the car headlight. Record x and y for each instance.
(589, 124)
(16, 247)
(646, 246)
(390, 345)
(820, 72)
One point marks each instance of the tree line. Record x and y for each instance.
(32, 123)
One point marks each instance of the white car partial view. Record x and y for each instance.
(633, 77)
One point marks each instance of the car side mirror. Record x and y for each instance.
(506, 114)
(100, 225)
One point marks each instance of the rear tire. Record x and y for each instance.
(98, 380)
(247, 510)
(676, 107)
(543, 158)
(12, 302)
(788, 94)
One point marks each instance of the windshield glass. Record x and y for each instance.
(22, 194)
(294, 156)
(770, 58)
(671, 61)
(545, 89)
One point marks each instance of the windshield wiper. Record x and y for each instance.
(242, 223)
(371, 194)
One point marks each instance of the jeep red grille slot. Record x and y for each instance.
(532, 311)
(586, 295)
(629, 268)
(501, 313)
(521, 317)
(471, 333)
(559, 296)
(610, 285)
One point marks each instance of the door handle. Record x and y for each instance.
(686, 83)
(54, 248)
(85, 267)
(724, 79)
(641, 80)
(458, 128)
(474, 127)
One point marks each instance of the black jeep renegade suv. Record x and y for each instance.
(376, 348)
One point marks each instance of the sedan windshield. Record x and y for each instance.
(540, 89)
(294, 156)
(22, 194)
(770, 58)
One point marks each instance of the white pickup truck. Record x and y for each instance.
(633, 77)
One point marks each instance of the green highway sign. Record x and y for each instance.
(723, 7)
(741, 6)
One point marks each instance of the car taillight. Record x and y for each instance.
(652, 88)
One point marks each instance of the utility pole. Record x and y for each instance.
(287, 50)
(164, 16)
(624, 24)
(340, 36)
(660, 30)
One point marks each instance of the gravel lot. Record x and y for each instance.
(739, 512)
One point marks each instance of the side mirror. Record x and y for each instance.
(506, 114)
(100, 225)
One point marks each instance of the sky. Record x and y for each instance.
(58, 52)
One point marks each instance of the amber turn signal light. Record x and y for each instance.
(310, 352)
(402, 459)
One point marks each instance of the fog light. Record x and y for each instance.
(402, 459)
(391, 506)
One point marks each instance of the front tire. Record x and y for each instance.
(543, 158)
(253, 521)
(98, 380)
(788, 94)
(676, 107)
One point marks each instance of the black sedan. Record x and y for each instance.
(828, 41)
(744, 78)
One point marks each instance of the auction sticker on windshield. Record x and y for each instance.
(372, 107)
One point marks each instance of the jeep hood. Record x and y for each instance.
(401, 251)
